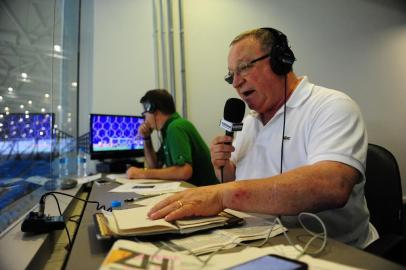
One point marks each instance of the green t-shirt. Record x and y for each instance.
(183, 144)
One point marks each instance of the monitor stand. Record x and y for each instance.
(117, 166)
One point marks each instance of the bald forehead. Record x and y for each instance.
(245, 47)
(249, 40)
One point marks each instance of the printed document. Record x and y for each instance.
(149, 188)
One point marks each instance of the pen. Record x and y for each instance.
(143, 186)
(140, 198)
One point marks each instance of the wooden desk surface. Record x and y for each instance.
(88, 252)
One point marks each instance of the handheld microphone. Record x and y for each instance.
(233, 115)
(232, 121)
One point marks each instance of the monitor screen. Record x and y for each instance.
(115, 136)
(28, 133)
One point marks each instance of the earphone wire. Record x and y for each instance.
(301, 251)
(283, 128)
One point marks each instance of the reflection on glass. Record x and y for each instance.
(39, 45)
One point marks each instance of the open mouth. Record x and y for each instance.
(248, 93)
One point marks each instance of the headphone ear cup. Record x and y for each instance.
(281, 59)
(149, 107)
(152, 108)
(275, 61)
(281, 56)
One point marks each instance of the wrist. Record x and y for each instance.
(145, 171)
(229, 194)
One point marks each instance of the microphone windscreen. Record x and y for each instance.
(234, 110)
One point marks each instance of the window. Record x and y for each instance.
(38, 100)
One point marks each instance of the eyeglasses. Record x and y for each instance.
(242, 69)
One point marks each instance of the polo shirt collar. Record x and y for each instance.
(302, 92)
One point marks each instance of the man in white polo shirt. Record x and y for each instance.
(302, 148)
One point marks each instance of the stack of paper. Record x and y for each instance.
(135, 221)
(226, 238)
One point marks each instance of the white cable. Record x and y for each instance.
(304, 250)
(322, 235)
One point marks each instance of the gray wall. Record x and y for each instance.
(356, 46)
(117, 57)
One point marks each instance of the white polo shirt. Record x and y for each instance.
(321, 124)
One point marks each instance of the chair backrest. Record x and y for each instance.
(383, 190)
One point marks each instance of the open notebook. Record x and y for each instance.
(135, 222)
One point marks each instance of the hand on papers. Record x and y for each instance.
(202, 201)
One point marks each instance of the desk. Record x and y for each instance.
(19, 250)
(88, 252)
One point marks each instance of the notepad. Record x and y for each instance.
(135, 222)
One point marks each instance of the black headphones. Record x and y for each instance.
(281, 56)
(149, 107)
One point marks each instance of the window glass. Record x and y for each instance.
(38, 100)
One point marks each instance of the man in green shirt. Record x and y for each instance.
(183, 155)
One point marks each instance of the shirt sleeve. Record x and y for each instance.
(338, 133)
(179, 144)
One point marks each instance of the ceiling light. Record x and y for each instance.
(74, 84)
(59, 107)
(22, 106)
(47, 95)
(6, 109)
(1, 98)
(43, 110)
(10, 89)
(24, 75)
(57, 48)
(30, 102)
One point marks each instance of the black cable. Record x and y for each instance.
(60, 213)
(222, 174)
(70, 241)
(98, 207)
(283, 129)
(52, 193)
(71, 219)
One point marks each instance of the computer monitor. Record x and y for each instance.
(115, 136)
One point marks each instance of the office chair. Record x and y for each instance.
(383, 193)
